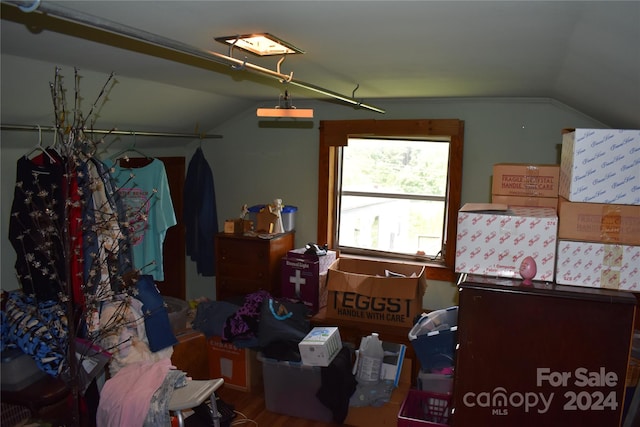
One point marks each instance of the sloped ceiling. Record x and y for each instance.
(583, 54)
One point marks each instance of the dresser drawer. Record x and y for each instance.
(243, 251)
(233, 286)
(246, 264)
(244, 271)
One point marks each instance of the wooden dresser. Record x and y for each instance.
(246, 264)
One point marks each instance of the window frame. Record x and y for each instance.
(334, 134)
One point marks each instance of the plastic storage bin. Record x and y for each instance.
(436, 350)
(288, 216)
(437, 320)
(178, 311)
(437, 383)
(290, 388)
(422, 408)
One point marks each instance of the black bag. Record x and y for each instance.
(283, 325)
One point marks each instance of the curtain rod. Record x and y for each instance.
(116, 132)
(122, 30)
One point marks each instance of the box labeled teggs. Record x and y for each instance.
(600, 166)
(374, 291)
(320, 346)
(493, 240)
(303, 277)
(523, 179)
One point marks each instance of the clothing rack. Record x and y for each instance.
(116, 132)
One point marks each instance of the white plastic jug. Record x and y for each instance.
(369, 360)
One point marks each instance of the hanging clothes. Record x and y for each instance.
(200, 214)
(36, 227)
(121, 257)
(146, 197)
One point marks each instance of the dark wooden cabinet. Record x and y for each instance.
(538, 355)
(245, 264)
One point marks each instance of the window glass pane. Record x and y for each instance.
(392, 225)
(395, 166)
(393, 195)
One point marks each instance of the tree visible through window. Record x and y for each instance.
(393, 195)
(335, 139)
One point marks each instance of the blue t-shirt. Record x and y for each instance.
(149, 212)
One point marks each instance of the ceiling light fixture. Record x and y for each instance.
(285, 109)
(261, 44)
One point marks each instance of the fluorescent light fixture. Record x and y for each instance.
(261, 44)
(296, 113)
(285, 108)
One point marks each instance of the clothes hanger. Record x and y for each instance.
(132, 149)
(40, 148)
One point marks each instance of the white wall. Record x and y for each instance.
(257, 161)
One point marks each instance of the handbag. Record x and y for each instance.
(283, 325)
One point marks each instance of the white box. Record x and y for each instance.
(320, 346)
(601, 166)
(598, 265)
(493, 240)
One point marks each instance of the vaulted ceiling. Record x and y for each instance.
(583, 54)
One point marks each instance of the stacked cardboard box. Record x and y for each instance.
(493, 240)
(524, 184)
(599, 209)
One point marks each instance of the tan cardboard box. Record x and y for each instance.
(598, 222)
(523, 179)
(540, 202)
(360, 290)
(238, 366)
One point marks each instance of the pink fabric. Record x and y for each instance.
(125, 398)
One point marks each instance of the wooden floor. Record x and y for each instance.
(253, 406)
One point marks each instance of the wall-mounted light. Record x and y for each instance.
(285, 109)
(261, 44)
(296, 113)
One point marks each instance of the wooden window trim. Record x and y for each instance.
(335, 134)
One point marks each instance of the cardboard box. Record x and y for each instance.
(360, 290)
(320, 346)
(523, 179)
(237, 226)
(598, 222)
(600, 166)
(238, 366)
(538, 202)
(301, 277)
(598, 265)
(387, 414)
(493, 240)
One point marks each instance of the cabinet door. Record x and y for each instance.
(530, 358)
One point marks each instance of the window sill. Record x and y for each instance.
(435, 270)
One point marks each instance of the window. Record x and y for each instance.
(393, 195)
(343, 193)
